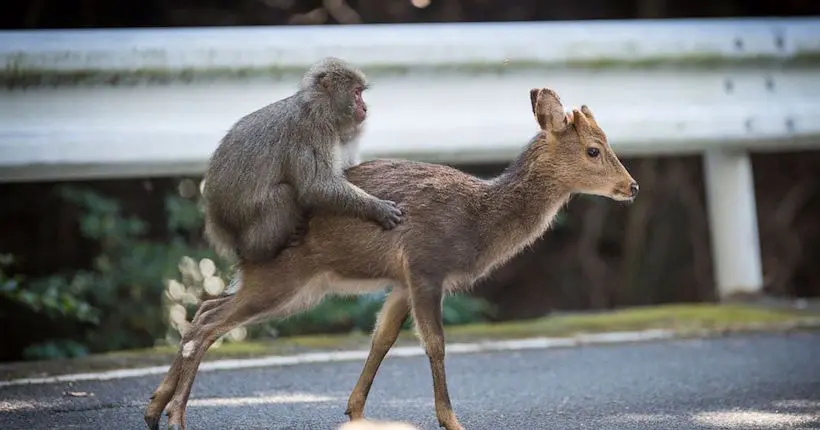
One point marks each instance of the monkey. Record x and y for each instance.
(277, 165)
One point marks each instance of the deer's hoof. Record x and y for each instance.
(174, 427)
(152, 422)
(354, 415)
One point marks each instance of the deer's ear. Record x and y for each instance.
(548, 110)
(588, 113)
(534, 98)
(581, 120)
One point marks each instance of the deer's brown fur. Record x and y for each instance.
(456, 229)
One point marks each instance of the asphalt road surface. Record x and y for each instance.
(748, 382)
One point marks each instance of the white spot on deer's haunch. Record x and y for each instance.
(188, 349)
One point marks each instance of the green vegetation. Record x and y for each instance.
(683, 319)
(117, 303)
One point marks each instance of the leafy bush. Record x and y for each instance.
(48, 299)
(47, 296)
(118, 301)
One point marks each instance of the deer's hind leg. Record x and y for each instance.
(162, 395)
(254, 301)
(388, 325)
(207, 306)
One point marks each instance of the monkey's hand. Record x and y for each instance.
(389, 215)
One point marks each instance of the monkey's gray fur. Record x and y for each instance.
(278, 164)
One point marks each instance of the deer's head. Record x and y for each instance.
(577, 150)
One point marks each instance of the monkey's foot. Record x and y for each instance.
(298, 236)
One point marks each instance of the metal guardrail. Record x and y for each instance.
(129, 103)
(77, 54)
(99, 132)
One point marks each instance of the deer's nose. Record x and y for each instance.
(633, 188)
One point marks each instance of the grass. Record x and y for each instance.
(685, 320)
(680, 318)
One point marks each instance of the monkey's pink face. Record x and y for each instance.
(359, 106)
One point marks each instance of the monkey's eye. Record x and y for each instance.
(593, 152)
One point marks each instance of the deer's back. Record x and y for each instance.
(441, 208)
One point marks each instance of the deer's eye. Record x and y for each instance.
(593, 152)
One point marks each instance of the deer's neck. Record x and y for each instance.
(520, 204)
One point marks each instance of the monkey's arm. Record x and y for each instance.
(329, 191)
(334, 194)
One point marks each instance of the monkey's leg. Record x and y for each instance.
(273, 227)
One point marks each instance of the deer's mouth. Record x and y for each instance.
(622, 196)
(626, 193)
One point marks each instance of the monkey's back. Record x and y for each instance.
(253, 156)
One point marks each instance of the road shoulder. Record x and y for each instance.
(560, 330)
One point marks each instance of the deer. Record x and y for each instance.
(457, 228)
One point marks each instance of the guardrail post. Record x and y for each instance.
(733, 222)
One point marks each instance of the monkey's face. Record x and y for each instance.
(359, 106)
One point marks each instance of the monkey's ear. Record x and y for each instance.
(548, 110)
(323, 80)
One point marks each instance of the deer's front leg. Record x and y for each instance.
(388, 325)
(426, 300)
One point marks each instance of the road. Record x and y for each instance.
(744, 382)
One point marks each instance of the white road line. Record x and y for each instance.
(262, 399)
(358, 355)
